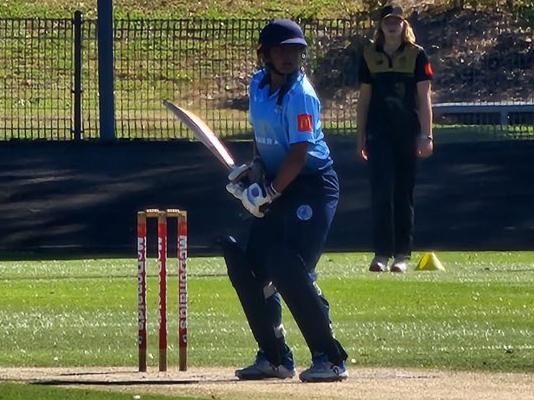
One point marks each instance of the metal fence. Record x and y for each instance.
(35, 78)
(204, 65)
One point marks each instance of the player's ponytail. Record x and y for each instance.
(408, 35)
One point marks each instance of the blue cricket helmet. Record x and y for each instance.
(279, 32)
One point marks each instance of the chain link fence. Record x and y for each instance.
(480, 59)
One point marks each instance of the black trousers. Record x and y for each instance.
(392, 168)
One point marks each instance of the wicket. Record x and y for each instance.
(162, 216)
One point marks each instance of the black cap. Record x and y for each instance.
(281, 31)
(392, 10)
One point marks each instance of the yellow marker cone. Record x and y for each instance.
(429, 262)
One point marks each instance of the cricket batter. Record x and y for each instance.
(294, 206)
(394, 129)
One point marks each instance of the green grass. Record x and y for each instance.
(181, 8)
(481, 133)
(219, 9)
(478, 315)
(14, 391)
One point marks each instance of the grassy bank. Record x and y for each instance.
(180, 8)
(224, 8)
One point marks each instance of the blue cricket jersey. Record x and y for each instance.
(295, 120)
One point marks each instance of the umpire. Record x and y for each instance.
(394, 129)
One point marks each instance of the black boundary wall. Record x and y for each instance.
(81, 198)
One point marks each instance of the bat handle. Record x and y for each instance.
(265, 208)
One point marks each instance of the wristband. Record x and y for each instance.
(271, 191)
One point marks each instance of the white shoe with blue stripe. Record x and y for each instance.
(263, 369)
(322, 370)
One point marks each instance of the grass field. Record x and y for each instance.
(476, 316)
(479, 315)
(14, 391)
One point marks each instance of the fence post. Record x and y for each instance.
(77, 90)
(105, 70)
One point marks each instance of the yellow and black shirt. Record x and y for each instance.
(393, 80)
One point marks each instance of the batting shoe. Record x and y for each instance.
(263, 369)
(379, 264)
(400, 264)
(322, 370)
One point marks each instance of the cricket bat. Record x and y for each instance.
(203, 133)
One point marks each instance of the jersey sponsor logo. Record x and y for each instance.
(304, 122)
(428, 69)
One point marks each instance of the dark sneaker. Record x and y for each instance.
(379, 264)
(263, 369)
(322, 370)
(400, 264)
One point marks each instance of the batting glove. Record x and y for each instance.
(236, 189)
(248, 173)
(257, 197)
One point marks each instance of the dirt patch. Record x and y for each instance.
(219, 383)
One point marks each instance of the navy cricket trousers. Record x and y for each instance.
(300, 220)
(284, 247)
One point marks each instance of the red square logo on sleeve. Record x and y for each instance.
(304, 122)
(428, 70)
